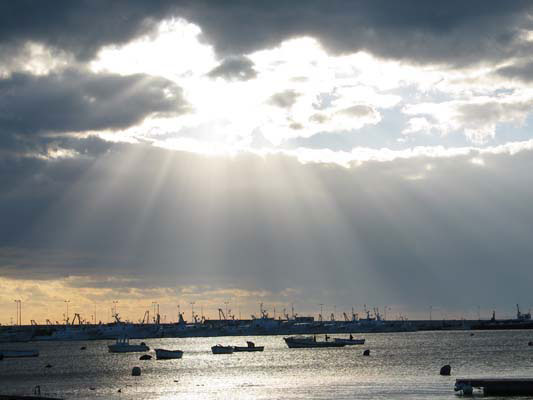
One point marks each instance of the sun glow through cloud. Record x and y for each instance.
(248, 159)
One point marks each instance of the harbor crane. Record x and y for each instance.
(146, 317)
(76, 317)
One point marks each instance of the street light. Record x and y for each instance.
(19, 312)
(226, 303)
(192, 311)
(66, 320)
(115, 302)
(153, 309)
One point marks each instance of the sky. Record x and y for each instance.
(227, 154)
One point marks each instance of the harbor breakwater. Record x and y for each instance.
(212, 328)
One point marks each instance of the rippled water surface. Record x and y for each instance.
(401, 366)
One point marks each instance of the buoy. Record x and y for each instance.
(83, 348)
(48, 366)
(145, 357)
(136, 371)
(528, 343)
(1, 356)
(366, 352)
(119, 391)
(446, 370)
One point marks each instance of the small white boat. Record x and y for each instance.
(219, 349)
(19, 353)
(162, 354)
(123, 346)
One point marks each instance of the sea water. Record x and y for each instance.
(400, 366)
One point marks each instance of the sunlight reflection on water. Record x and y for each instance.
(401, 365)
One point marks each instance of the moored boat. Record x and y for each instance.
(219, 349)
(123, 346)
(19, 353)
(349, 341)
(302, 342)
(250, 347)
(162, 354)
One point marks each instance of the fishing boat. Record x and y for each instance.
(219, 349)
(162, 354)
(250, 347)
(302, 342)
(19, 353)
(123, 346)
(350, 341)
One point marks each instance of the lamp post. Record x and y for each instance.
(19, 312)
(115, 302)
(192, 311)
(154, 303)
(66, 318)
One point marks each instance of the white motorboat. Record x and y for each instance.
(219, 349)
(162, 354)
(123, 346)
(19, 353)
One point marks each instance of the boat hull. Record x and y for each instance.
(308, 344)
(238, 349)
(132, 348)
(19, 353)
(222, 349)
(350, 342)
(162, 354)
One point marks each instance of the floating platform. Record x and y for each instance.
(496, 386)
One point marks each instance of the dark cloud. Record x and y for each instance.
(452, 31)
(74, 101)
(284, 99)
(522, 71)
(362, 233)
(77, 101)
(79, 27)
(234, 68)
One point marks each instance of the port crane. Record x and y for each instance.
(146, 317)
